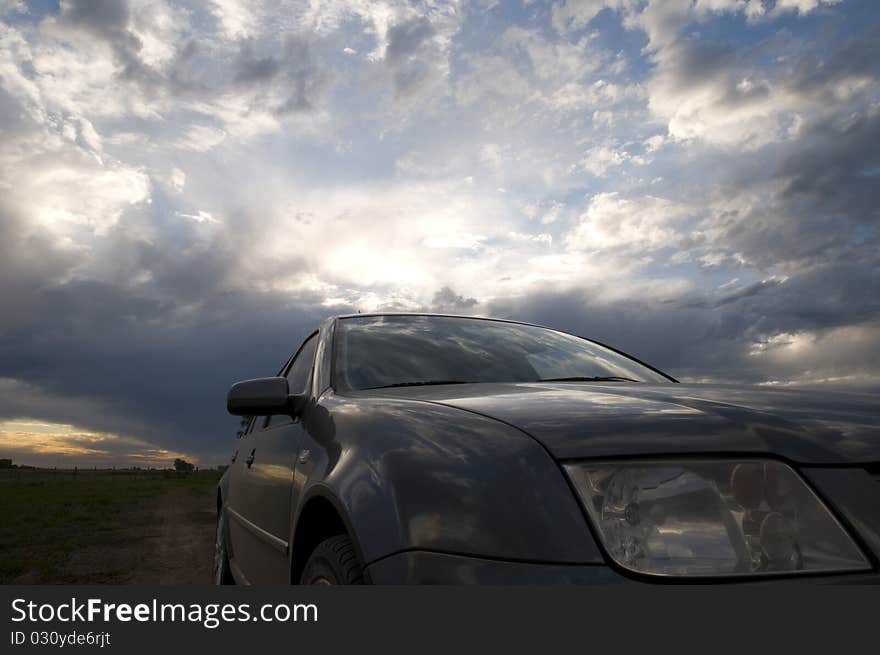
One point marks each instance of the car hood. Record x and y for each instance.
(584, 419)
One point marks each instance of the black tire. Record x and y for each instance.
(221, 573)
(333, 562)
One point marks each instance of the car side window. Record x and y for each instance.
(298, 374)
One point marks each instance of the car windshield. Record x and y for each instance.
(385, 351)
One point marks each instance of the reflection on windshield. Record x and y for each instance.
(382, 351)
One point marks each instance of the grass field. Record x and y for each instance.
(58, 527)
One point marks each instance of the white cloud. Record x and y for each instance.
(202, 138)
(238, 18)
(552, 214)
(12, 7)
(645, 223)
(600, 158)
(526, 67)
(540, 238)
(94, 198)
(62, 186)
(178, 179)
(201, 216)
(706, 91)
(654, 143)
(576, 14)
(802, 6)
(846, 355)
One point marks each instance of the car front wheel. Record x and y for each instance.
(333, 562)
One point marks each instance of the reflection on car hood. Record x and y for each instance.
(585, 419)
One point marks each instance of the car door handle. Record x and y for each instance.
(250, 459)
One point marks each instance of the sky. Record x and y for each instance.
(188, 188)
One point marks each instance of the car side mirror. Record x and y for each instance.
(263, 397)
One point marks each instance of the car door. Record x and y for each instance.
(266, 482)
(241, 543)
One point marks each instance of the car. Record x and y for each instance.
(426, 448)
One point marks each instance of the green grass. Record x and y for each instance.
(45, 517)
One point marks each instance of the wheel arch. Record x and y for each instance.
(222, 490)
(322, 515)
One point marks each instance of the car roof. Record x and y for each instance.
(471, 316)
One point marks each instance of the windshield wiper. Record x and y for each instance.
(608, 378)
(422, 383)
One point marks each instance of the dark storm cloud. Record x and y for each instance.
(108, 21)
(818, 197)
(410, 76)
(152, 360)
(828, 296)
(809, 198)
(299, 77)
(101, 16)
(747, 292)
(812, 211)
(446, 300)
(182, 78)
(109, 359)
(699, 62)
(670, 337)
(406, 38)
(305, 77)
(29, 262)
(407, 56)
(711, 336)
(252, 69)
(834, 169)
(817, 70)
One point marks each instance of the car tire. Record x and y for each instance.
(333, 562)
(221, 572)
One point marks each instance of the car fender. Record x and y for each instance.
(412, 475)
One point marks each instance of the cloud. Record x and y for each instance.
(187, 190)
(599, 159)
(576, 14)
(610, 221)
(405, 39)
(38, 443)
(139, 36)
(252, 69)
(731, 96)
(802, 6)
(237, 19)
(447, 301)
(844, 355)
(733, 337)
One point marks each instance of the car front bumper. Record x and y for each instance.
(423, 567)
(853, 493)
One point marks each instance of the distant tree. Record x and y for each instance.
(182, 466)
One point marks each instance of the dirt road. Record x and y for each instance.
(168, 542)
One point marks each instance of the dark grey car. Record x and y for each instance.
(404, 448)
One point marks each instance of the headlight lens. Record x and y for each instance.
(712, 518)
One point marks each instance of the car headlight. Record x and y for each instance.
(712, 518)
